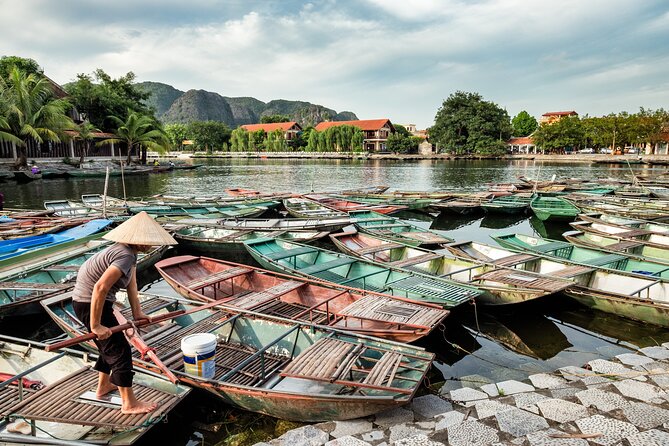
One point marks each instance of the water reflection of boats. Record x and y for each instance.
(440, 344)
(453, 221)
(501, 221)
(551, 230)
(531, 335)
(617, 330)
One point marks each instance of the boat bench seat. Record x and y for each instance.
(382, 247)
(253, 300)
(319, 267)
(515, 259)
(213, 279)
(552, 246)
(290, 253)
(34, 286)
(384, 226)
(72, 268)
(623, 246)
(606, 260)
(445, 293)
(415, 260)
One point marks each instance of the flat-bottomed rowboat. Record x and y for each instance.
(247, 288)
(284, 369)
(273, 224)
(320, 264)
(553, 209)
(304, 208)
(395, 229)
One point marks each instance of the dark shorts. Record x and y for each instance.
(115, 354)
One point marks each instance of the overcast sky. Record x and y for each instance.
(378, 58)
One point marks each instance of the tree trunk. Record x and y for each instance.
(84, 152)
(129, 159)
(22, 159)
(143, 155)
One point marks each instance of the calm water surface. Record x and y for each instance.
(477, 344)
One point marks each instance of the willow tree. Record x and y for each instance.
(31, 111)
(140, 133)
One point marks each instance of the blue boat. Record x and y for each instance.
(15, 247)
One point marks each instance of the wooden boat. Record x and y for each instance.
(596, 206)
(344, 205)
(240, 192)
(21, 292)
(49, 398)
(622, 261)
(247, 288)
(54, 172)
(629, 223)
(553, 209)
(17, 247)
(285, 369)
(502, 286)
(273, 224)
(186, 166)
(97, 201)
(431, 195)
(6, 175)
(633, 295)
(395, 229)
(617, 245)
(94, 173)
(650, 238)
(223, 240)
(26, 176)
(391, 200)
(633, 191)
(300, 207)
(463, 204)
(68, 208)
(320, 264)
(509, 204)
(11, 228)
(370, 190)
(199, 211)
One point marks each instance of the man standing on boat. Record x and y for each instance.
(98, 280)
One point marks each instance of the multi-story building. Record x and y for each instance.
(375, 131)
(290, 129)
(551, 117)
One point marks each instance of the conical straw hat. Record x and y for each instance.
(140, 230)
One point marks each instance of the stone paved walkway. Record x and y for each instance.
(622, 402)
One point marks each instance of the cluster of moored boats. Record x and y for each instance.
(314, 334)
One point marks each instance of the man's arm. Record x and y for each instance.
(100, 290)
(133, 297)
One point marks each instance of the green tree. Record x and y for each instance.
(270, 119)
(139, 133)
(209, 135)
(27, 66)
(31, 111)
(100, 96)
(568, 132)
(465, 122)
(177, 133)
(357, 141)
(257, 140)
(85, 132)
(239, 140)
(401, 130)
(312, 144)
(523, 124)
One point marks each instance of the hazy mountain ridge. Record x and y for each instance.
(173, 105)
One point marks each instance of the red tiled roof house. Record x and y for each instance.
(375, 131)
(551, 117)
(290, 129)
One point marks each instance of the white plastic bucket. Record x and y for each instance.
(199, 351)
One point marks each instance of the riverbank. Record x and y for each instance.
(604, 402)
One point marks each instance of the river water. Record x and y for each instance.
(478, 344)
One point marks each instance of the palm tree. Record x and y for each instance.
(32, 111)
(85, 132)
(139, 132)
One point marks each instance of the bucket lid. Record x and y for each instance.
(198, 341)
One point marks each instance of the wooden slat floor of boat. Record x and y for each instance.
(72, 268)
(328, 359)
(290, 310)
(384, 371)
(572, 271)
(389, 310)
(517, 278)
(230, 355)
(235, 235)
(34, 286)
(329, 276)
(425, 237)
(9, 396)
(61, 403)
(432, 288)
(623, 245)
(606, 259)
(515, 259)
(415, 260)
(253, 300)
(150, 305)
(633, 233)
(551, 246)
(382, 247)
(213, 279)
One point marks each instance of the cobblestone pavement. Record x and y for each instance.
(621, 402)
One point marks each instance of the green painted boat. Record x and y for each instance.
(241, 211)
(285, 369)
(553, 209)
(21, 293)
(623, 233)
(593, 206)
(221, 240)
(584, 256)
(392, 200)
(628, 223)
(510, 204)
(395, 229)
(321, 264)
(616, 245)
(300, 207)
(502, 286)
(636, 296)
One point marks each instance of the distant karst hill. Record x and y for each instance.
(174, 105)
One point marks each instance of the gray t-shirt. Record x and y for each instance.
(119, 255)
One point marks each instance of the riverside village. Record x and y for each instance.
(470, 249)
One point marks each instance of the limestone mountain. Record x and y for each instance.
(173, 105)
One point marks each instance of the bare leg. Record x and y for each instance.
(104, 385)
(132, 405)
